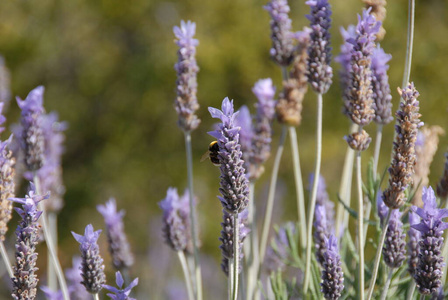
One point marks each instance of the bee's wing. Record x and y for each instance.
(205, 156)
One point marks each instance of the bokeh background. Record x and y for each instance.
(107, 66)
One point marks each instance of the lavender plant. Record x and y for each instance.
(120, 293)
(332, 275)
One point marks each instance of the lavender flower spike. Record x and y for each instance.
(380, 86)
(430, 260)
(176, 220)
(319, 52)
(32, 139)
(282, 51)
(414, 243)
(92, 267)
(7, 185)
(118, 244)
(344, 59)
(332, 276)
(244, 120)
(234, 184)
(74, 278)
(359, 102)
(120, 293)
(394, 245)
(186, 102)
(25, 278)
(321, 232)
(404, 158)
(264, 90)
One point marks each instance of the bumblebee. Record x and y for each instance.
(212, 153)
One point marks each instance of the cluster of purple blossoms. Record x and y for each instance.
(73, 275)
(226, 238)
(278, 253)
(319, 52)
(244, 121)
(332, 275)
(428, 273)
(186, 102)
(92, 267)
(234, 184)
(120, 293)
(394, 249)
(404, 159)
(25, 278)
(414, 243)
(32, 136)
(344, 59)
(118, 244)
(380, 86)
(282, 51)
(176, 220)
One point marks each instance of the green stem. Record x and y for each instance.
(377, 260)
(50, 243)
(197, 267)
(252, 247)
(96, 297)
(386, 286)
(6, 259)
(345, 186)
(236, 254)
(409, 43)
(422, 297)
(271, 195)
(189, 284)
(53, 225)
(411, 291)
(299, 185)
(312, 206)
(376, 156)
(231, 279)
(360, 226)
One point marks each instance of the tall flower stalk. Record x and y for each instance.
(320, 78)
(234, 186)
(332, 275)
(186, 105)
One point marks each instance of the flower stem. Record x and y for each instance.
(379, 250)
(386, 286)
(411, 291)
(376, 156)
(231, 278)
(183, 262)
(53, 225)
(345, 186)
(252, 249)
(299, 185)
(96, 297)
(50, 243)
(422, 297)
(271, 194)
(236, 254)
(409, 43)
(312, 206)
(360, 226)
(6, 259)
(197, 267)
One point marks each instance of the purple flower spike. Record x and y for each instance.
(332, 275)
(322, 197)
(120, 293)
(264, 90)
(344, 59)
(322, 231)
(176, 220)
(25, 278)
(381, 208)
(32, 137)
(282, 51)
(52, 295)
(394, 245)
(413, 244)
(76, 289)
(277, 255)
(118, 244)
(428, 273)
(92, 267)
(319, 52)
(7, 185)
(359, 100)
(227, 237)
(186, 102)
(234, 184)
(380, 86)
(244, 121)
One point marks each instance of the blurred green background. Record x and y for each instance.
(107, 67)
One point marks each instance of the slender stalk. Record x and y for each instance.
(411, 291)
(422, 297)
(386, 286)
(360, 226)
(299, 185)
(236, 254)
(252, 247)
(345, 186)
(53, 224)
(376, 156)
(197, 267)
(231, 279)
(96, 297)
(379, 250)
(312, 206)
(50, 243)
(6, 259)
(409, 43)
(183, 262)
(271, 194)
(367, 209)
